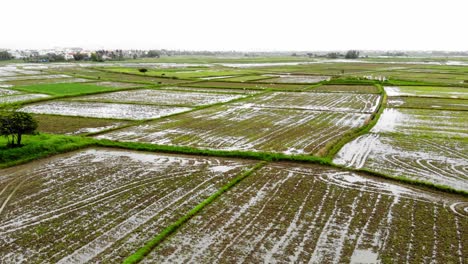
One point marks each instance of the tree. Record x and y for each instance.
(352, 54)
(5, 55)
(80, 56)
(153, 54)
(142, 70)
(333, 55)
(13, 125)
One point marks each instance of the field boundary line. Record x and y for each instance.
(158, 239)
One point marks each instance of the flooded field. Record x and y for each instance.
(162, 97)
(423, 122)
(331, 102)
(290, 213)
(434, 160)
(295, 79)
(425, 91)
(19, 97)
(103, 110)
(246, 127)
(97, 204)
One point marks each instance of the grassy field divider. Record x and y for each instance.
(153, 243)
(353, 134)
(264, 156)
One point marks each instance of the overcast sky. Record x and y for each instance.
(246, 25)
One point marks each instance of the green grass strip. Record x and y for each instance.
(41, 146)
(265, 156)
(153, 243)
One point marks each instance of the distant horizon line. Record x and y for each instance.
(242, 51)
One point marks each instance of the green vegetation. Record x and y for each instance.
(40, 146)
(16, 124)
(66, 89)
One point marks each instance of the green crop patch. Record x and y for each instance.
(66, 89)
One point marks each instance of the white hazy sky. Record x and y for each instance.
(245, 25)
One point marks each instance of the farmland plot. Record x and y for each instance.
(55, 124)
(15, 98)
(210, 90)
(33, 77)
(46, 81)
(103, 110)
(423, 122)
(250, 85)
(426, 91)
(5, 92)
(290, 213)
(164, 97)
(361, 103)
(118, 84)
(100, 204)
(434, 160)
(424, 103)
(347, 88)
(244, 127)
(295, 78)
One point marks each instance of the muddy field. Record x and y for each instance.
(290, 213)
(162, 97)
(102, 110)
(329, 102)
(246, 127)
(100, 204)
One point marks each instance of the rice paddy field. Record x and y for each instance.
(237, 160)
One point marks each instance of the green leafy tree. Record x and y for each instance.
(352, 54)
(13, 125)
(4, 55)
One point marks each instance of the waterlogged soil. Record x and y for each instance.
(103, 110)
(339, 102)
(347, 88)
(246, 127)
(162, 97)
(46, 81)
(424, 103)
(423, 122)
(33, 77)
(250, 85)
(294, 78)
(5, 92)
(435, 160)
(100, 205)
(425, 91)
(210, 90)
(16, 98)
(291, 213)
(55, 124)
(118, 84)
